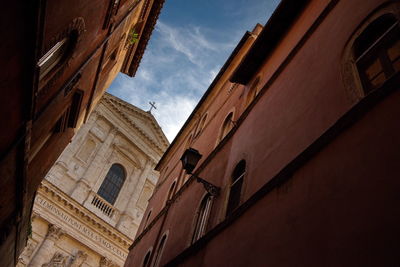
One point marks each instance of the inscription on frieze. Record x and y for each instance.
(86, 231)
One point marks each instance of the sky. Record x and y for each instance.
(190, 43)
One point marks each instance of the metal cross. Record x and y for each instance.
(152, 104)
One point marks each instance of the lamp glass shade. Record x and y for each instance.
(189, 159)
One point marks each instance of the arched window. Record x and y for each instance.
(201, 125)
(226, 126)
(160, 250)
(202, 217)
(377, 52)
(252, 93)
(146, 259)
(112, 184)
(171, 190)
(147, 219)
(235, 191)
(188, 141)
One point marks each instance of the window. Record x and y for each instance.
(235, 191)
(252, 93)
(146, 259)
(202, 217)
(377, 52)
(147, 220)
(226, 126)
(188, 141)
(56, 56)
(171, 191)
(160, 250)
(201, 125)
(52, 57)
(112, 184)
(112, 10)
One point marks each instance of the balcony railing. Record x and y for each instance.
(102, 205)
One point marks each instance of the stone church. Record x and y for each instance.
(89, 206)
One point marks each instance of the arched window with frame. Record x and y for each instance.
(377, 52)
(235, 191)
(202, 217)
(160, 250)
(171, 191)
(252, 93)
(147, 219)
(226, 126)
(146, 259)
(112, 184)
(201, 125)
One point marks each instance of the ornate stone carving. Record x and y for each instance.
(29, 249)
(54, 232)
(58, 260)
(79, 258)
(104, 262)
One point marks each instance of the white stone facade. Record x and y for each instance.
(72, 225)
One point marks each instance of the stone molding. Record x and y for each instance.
(54, 233)
(52, 192)
(118, 104)
(104, 262)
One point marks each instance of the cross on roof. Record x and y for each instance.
(152, 105)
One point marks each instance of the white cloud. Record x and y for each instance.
(174, 82)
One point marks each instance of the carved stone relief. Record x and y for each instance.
(58, 260)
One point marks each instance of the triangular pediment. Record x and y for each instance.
(141, 120)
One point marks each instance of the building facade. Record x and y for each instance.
(299, 137)
(58, 57)
(88, 208)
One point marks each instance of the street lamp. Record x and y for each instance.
(189, 159)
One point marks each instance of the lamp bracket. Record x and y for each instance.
(209, 187)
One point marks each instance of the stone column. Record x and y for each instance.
(82, 188)
(46, 249)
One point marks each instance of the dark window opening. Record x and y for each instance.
(377, 52)
(235, 191)
(146, 261)
(226, 126)
(112, 184)
(159, 251)
(202, 218)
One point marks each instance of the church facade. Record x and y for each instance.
(89, 206)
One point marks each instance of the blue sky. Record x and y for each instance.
(190, 43)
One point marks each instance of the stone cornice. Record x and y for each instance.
(52, 192)
(146, 137)
(141, 113)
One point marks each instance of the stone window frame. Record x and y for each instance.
(222, 132)
(171, 190)
(148, 253)
(74, 32)
(113, 203)
(203, 212)
(201, 125)
(252, 91)
(160, 249)
(242, 177)
(350, 74)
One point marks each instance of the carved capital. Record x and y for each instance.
(58, 260)
(54, 232)
(104, 262)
